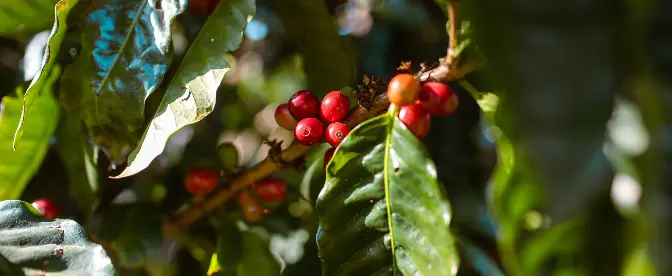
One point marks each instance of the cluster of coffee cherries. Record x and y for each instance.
(202, 181)
(420, 101)
(307, 117)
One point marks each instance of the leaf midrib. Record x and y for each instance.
(386, 177)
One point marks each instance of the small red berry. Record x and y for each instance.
(438, 98)
(284, 118)
(201, 181)
(47, 208)
(334, 107)
(309, 131)
(202, 6)
(267, 211)
(303, 104)
(416, 119)
(328, 155)
(251, 208)
(403, 89)
(336, 132)
(271, 190)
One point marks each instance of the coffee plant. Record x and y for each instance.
(310, 137)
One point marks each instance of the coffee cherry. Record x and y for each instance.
(303, 104)
(271, 190)
(228, 155)
(309, 131)
(438, 98)
(202, 6)
(403, 89)
(328, 155)
(336, 132)
(334, 107)
(201, 181)
(284, 118)
(251, 208)
(416, 119)
(47, 208)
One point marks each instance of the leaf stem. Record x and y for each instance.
(263, 169)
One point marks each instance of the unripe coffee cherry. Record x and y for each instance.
(284, 118)
(328, 155)
(438, 98)
(309, 131)
(201, 181)
(335, 134)
(303, 104)
(228, 155)
(403, 89)
(252, 210)
(416, 119)
(47, 208)
(271, 190)
(334, 107)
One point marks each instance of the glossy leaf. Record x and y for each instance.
(27, 158)
(21, 16)
(126, 50)
(326, 59)
(192, 92)
(40, 246)
(53, 48)
(381, 206)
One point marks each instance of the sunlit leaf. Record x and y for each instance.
(191, 93)
(20, 16)
(20, 165)
(126, 50)
(381, 208)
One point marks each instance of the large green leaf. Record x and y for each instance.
(53, 48)
(126, 50)
(19, 16)
(19, 165)
(48, 247)
(192, 92)
(242, 254)
(382, 206)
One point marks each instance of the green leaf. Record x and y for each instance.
(191, 93)
(242, 254)
(24, 162)
(53, 47)
(55, 247)
(126, 50)
(72, 147)
(382, 206)
(20, 16)
(327, 60)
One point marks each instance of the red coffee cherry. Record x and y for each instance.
(309, 131)
(336, 132)
(328, 155)
(416, 119)
(271, 190)
(202, 6)
(252, 210)
(303, 104)
(403, 89)
(200, 181)
(438, 98)
(284, 118)
(334, 107)
(47, 208)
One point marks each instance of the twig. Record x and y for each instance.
(263, 169)
(453, 25)
(443, 72)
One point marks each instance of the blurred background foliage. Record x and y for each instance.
(582, 120)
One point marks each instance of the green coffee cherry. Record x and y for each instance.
(228, 156)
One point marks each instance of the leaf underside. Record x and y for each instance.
(354, 236)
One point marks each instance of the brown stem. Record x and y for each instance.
(263, 169)
(453, 25)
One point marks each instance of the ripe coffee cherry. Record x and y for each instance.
(336, 132)
(284, 118)
(202, 6)
(271, 190)
(309, 131)
(201, 181)
(303, 104)
(334, 107)
(416, 119)
(438, 98)
(403, 89)
(251, 208)
(47, 208)
(328, 155)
